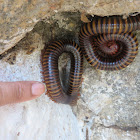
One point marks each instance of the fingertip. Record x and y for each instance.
(38, 89)
(20, 91)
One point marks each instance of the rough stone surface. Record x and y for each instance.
(109, 106)
(38, 119)
(17, 17)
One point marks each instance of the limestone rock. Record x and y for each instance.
(17, 17)
(109, 107)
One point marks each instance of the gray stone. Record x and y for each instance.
(109, 106)
(18, 17)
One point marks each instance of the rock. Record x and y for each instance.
(19, 16)
(109, 106)
(40, 118)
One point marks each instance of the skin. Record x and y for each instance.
(21, 91)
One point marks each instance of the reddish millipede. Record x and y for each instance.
(107, 44)
(51, 72)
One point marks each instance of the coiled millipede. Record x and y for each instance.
(107, 44)
(51, 73)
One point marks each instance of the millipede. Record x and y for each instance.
(108, 42)
(51, 76)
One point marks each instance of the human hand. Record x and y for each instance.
(14, 92)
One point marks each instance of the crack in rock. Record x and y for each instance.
(122, 128)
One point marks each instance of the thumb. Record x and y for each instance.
(13, 92)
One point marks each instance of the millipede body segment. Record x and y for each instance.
(51, 73)
(108, 42)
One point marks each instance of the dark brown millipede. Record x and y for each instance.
(107, 43)
(51, 73)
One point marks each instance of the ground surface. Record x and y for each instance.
(109, 106)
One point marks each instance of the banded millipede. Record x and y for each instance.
(108, 43)
(51, 73)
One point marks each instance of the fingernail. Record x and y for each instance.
(38, 89)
